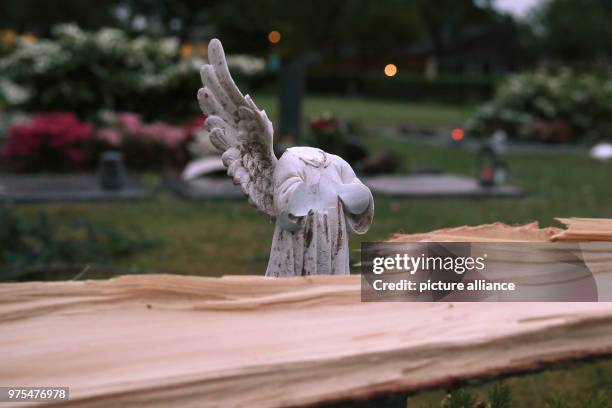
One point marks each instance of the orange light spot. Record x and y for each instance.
(274, 37)
(28, 38)
(186, 50)
(390, 70)
(457, 134)
(203, 49)
(9, 37)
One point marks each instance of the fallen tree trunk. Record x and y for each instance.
(161, 340)
(578, 229)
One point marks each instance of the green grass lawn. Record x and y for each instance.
(218, 238)
(374, 113)
(227, 238)
(585, 385)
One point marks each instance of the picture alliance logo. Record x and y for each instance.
(412, 264)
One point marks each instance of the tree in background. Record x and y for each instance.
(312, 32)
(345, 35)
(183, 18)
(39, 16)
(341, 33)
(574, 32)
(445, 21)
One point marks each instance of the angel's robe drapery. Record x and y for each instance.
(318, 243)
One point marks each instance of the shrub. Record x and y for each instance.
(61, 142)
(87, 71)
(548, 107)
(149, 146)
(53, 141)
(31, 248)
(12, 94)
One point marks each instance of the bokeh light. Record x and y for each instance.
(274, 37)
(390, 70)
(186, 50)
(457, 134)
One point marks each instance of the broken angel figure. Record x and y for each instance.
(314, 197)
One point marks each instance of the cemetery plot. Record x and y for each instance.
(436, 186)
(414, 186)
(73, 187)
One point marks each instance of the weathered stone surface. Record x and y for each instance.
(64, 187)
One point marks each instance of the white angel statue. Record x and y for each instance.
(314, 197)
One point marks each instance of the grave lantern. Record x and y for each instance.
(457, 135)
(111, 171)
(491, 170)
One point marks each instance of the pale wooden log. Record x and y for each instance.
(577, 229)
(162, 340)
(513, 260)
(496, 232)
(179, 341)
(585, 229)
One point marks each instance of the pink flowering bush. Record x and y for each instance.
(49, 142)
(195, 124)
(61, 142)
(110, 136)
(146, 145)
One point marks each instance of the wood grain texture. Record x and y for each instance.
(577, 229)
(163, 340)
(585, 229)
(496, 232)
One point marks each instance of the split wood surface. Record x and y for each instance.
(166, 340)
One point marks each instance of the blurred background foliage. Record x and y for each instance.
(132, 55)
(39, 249)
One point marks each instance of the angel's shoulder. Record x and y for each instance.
(305, 152)
(338, 161)
(311, 156)
(288, 156)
